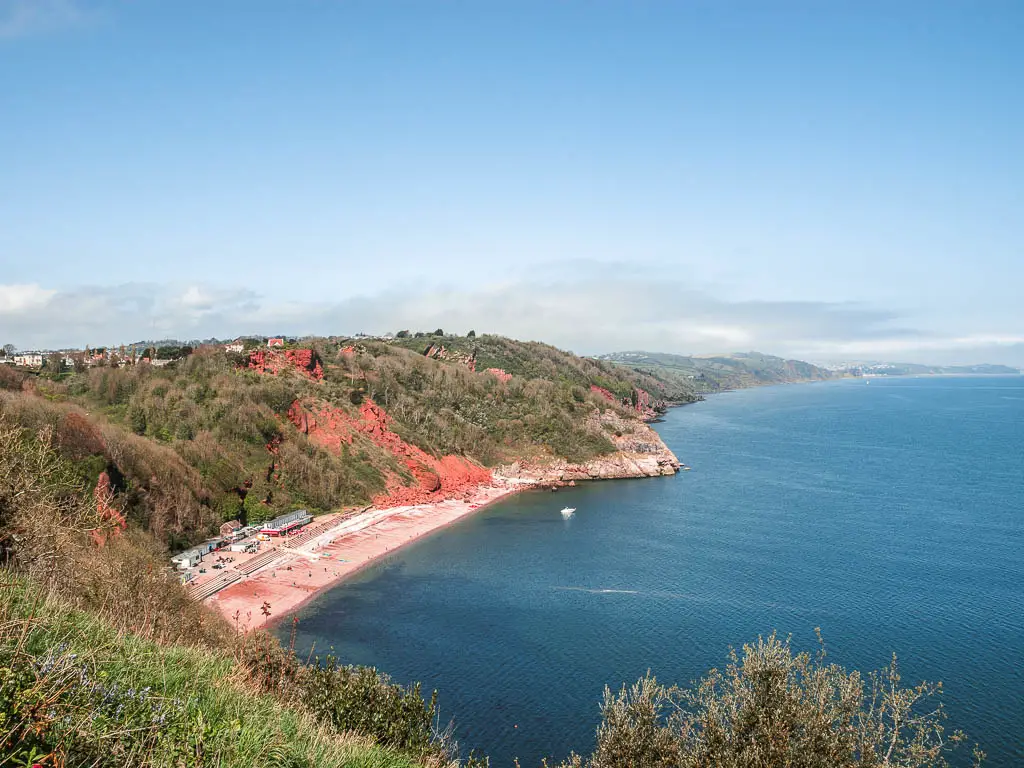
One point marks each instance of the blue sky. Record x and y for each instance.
(822, 179)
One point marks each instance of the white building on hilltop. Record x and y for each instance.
(29, 359)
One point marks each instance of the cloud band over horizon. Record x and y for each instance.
(588, 316)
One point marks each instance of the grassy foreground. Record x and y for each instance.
(74, 692)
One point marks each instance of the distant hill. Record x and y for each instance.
(720, 372)
(916, 369)
(985, 369)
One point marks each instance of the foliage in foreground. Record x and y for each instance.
(73, 692)
(772, 708)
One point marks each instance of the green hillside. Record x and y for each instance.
(716, 373)
(215, 436)
(535, 360)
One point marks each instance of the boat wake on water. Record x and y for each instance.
(601, 591)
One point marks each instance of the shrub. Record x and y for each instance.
(10, 378)
(770, 708)
(361, 699)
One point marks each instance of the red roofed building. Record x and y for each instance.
(275, 342)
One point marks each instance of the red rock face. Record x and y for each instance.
(306, 361)
(499, 374)
(113, 520)
(274, 362)
(433, 479)
(645, 405)
(602, 392)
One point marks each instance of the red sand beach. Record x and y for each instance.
(297, 575)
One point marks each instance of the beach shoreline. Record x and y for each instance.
(299, 575)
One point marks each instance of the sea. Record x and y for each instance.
(887, 512)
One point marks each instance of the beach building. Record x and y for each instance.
(229, 529)
(188, 559)
(286, 523)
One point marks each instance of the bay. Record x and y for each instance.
(891, 515)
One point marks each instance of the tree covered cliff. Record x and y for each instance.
(324, 424)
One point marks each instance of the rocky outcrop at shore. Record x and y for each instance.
(640, 452)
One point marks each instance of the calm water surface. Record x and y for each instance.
(891, 515)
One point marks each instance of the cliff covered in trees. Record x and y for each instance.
(339, 422)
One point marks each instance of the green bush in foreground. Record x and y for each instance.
(772, 709)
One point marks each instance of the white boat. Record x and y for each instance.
(568, 512)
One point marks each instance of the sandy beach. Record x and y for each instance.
(299, 573)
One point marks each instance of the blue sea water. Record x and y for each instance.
(891, 515)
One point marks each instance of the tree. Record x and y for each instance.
(402, 335)
(471, 335)
(770, 708)
(9, 350)
(438, 332)
(54, 363)
(137, 419)
(255, 503)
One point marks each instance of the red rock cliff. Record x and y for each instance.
(274, 361)
(434, 478)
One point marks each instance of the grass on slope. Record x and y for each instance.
(74, 692)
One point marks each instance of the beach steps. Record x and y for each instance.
(255, 563)
(311, 533)
(214, 585)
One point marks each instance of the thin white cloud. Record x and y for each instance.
(16, 299)
(584, 315)
(25, 18)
